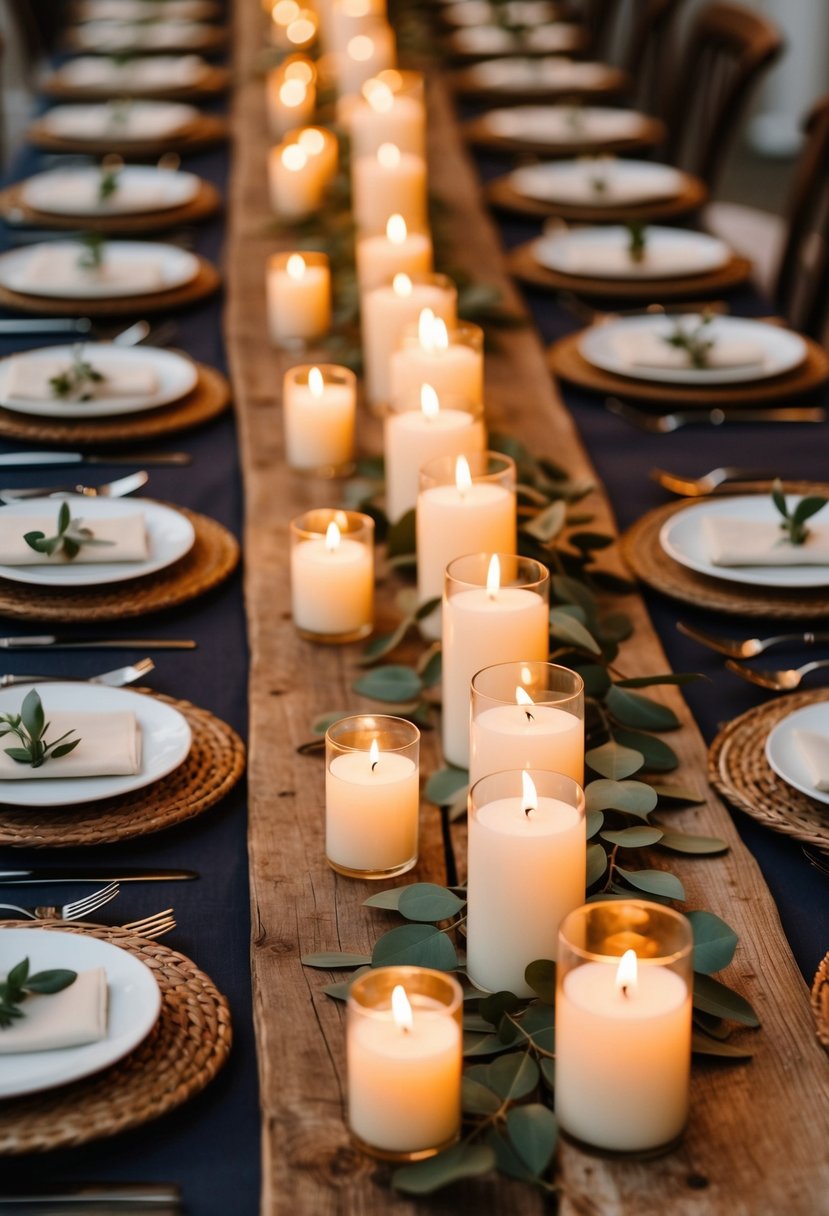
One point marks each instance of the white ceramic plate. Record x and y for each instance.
(134, 1006)
(119, 123)
(562, 124)
(165, 742)
(782, 350)
(683, 539)
(494, 40)
(136, 76)
(627, 182)
(141, 189)
(177, 376)
(170, 533)
(603, 253)
(481, 12)
(783, 753)
(109, 37)
(147, 10)
(176, 267)
(542, 74)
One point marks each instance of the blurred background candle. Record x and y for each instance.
(527, 867)
(404, 1050)
(299, 298)
(464, 505)
(372, 796)
(293, 28)
(291, 98)
(332, 575)
(382, 116)
(527, 715)
(318, 409)
(389, 182)
(386, 310)
(416, 430)
(294, 181)
(452, 361)
(364, 55)
(396, 251)
(623, 1025)
(320, 147)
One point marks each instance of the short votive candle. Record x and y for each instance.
(389, 110)
(299, 298)
(318, 410)
(294, 181)
(332, 575)
(291, 98)
(389, 182)
(417, 429)
(382, 255)
(365, 53)
(386, 310)
(451, 360)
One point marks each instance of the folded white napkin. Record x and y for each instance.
(552, 72)
(28, 379)
(602, 258)
(110, 746)
(573, 182)
(564, 124)
(646, 348)
(71, 1018)
(741, 542)
(140, 35)
(144, 10)
(136, 120)
(814, 752)
(52, 269)
(156, 71)
(127, 534)
(79, 193)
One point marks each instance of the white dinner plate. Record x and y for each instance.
(782, 350)
(563, 124)
(141, 75)
(170, 534)
(134, 1006)
(515, 12)
(176, 267)
(120, 122)
(177, 376)
(784, 755)
(603, 253)
(495, 40)
(140, 189)
(165, 743)
(683, 539)
(553, 72)
(626, 182)
(109, 37)
(147, 10)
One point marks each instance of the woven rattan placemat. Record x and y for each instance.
(501, 195)
(205, 203)
(739, 770)
(214, 764)
(213, 558)
(202, 132)
(820, 1002)
(182, 1053)
(206, 281)
(209, 398)
(649, 134)
(215, 80)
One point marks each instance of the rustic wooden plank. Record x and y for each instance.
(757, 1139)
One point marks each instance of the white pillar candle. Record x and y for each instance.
(415, 435)
(526, 736)
(318, 409)
(379, 116)
(365, 54)
(292, 27)
(452, 361)
(346, 18)
(299, 298)
(320, 146)
(386, 311)
(527, 867)
(397, 251)
(294, 182)
(332, 576)
(372, 803)
(390, 182)
(291, 102)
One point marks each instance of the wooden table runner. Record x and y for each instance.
(758, 1133)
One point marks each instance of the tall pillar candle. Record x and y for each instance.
(452, 361)
(318, 412)
(526, 872)
(332, 575)
(294, 182)
(385, 312)
(396, 251)
(299, 298)
(364, 55)
(382, 116)
(291, 99)
(390, 182)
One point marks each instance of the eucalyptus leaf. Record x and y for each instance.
(685, 794)
(534, 1132)
(615, 627)
(540, 975)
(483, 1045)
(478, 1099)
(634, 838)
(425, 901)
(452, 1165)
(703, 1045)
(340, 991)
(321, 724)
(654, 882)
(589, 541)
(444, 786)
(508, 1160)
(385, 899)
(596, 864)
(401, 538)
(595, 821)
(548, 1074)
(714, 942)
(547, 525)
(430, 671)
(513, 1076)
(415, 946)
(493, 1007)
(392, 683)
(564, 628)
(333, 960)
(659, 756)
(632, 709)
(682, 842)
(570, 591)
(383, 643)
(632, 797)
(614, 761)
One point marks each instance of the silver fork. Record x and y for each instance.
(750, 647)
(113, 679)
(77, 910)
(153, 926)
(110, 489)
(698, 487)
(665, 424)
(777, 681)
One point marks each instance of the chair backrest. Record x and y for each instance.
(647, 54)
(728, 49)
(37, 22)
(801, 289)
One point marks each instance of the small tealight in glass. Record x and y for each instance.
(404, 1051)
(372, 795)
(332, 575)
(318, 410)
(299, 298)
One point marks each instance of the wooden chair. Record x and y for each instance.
(728, 50)
(38, 22)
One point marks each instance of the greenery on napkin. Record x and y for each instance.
(69, 539)
(794, 522)
(93, 248)
(695, 342)
(77, 380)
(109, 180)
(18, 985)
(637, 240)
(30, 727)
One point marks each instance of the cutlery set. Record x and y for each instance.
(153, 926)
(666, 424)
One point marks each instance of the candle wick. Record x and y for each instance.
(624, 991)
(527, 810)
(374, 765)
(529, 716)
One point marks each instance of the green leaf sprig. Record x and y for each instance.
(69, 539)
(30, 727)
(91, 256)
(19, 984)
(637, 240)
(794, 522)
(695, 342)
(76, 381)
(110, 179)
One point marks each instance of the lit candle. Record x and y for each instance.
(452, 361)
(381, 116)
(372, 796)
(390, 182)
(299, 298)
(386, 311)
(294, 181)
(527, 715)
(623, 1026)
(527, 868)
(398, 251)
(465, 505)
(364, 55)
(419, 431)
(332, 575)
(347, 18)
(405, 1046)
(291, 99)
(293, 27)
(319, 405)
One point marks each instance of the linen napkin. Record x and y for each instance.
(814, 752)
(573, 182)
(741, 542)
(28, 379)
(614, 260)
(143, 10)
(133, 120)
(79, 193)
(646, 348)
(71, 1018)
(110, 746)
(554, 71)
(564, 124)
(53, 268)
(114, 36)
(127, 532)
(156, 71)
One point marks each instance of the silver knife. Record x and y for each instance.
(46, 325)
(94, 874)
(137, 1195)
(56, 641)
(35, 460)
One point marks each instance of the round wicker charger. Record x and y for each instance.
(206, 203)
(501, 195)
(215, 39)
(213, 558)
(739, 770)
(216, 80)
(214, 765)
(478, 132)
(204, 131)
(466, 83)
(522, 264)
(208, 400)
(183, 1052)
(643, 553)
(820, 1002)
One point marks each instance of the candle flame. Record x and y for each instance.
(295, 266)
(529, 794)
(429, 401)
(285, 11)
(316, 383)
(311, 140)
(388, 156)
(396, 230)
(401, 285)
(294, 158)
(300, 69)
(374, 754)
(292, 92)
(401, 1009)
(493, 577)
(360, 48)
(332, 537)
(302, 30)
(626, 973)
(522, 697)
(432, 333)
(463, 475)
(378, 95)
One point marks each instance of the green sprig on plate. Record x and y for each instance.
(637, 240)
(793, 524)
(77, 380)
(30, 727)
(19, 984)
(69, 539)
(695, 342)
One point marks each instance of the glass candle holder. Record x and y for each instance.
(299, 298)
(404, 1058)
(526, 872)
(495, 609)
(372, 795)
(389, 182)
(386, 311)
(332, 575)
(390, 109)
(465, 504)
(294, 182)
(450, 360)
(527, 714)
(318, 411)
(291, 99)
(623, 1026)
(366, 53)
(395, 250)
(321, 147)
(418, 429)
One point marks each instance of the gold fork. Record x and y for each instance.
(777, 681)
